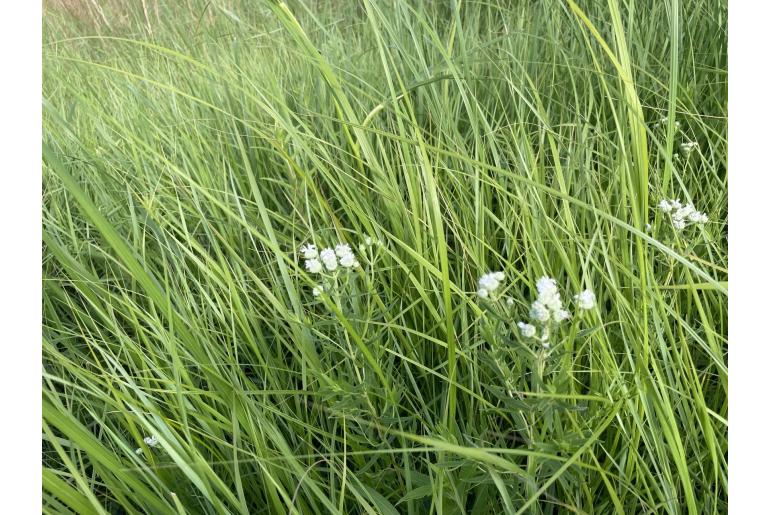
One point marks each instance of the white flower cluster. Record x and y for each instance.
(664, 122)
(682, 216)
(547, 311)
(688, 146)
(585, 299)
(328, 262)
(150, 441)
(548, 305)
(329, 259)
(489, 283)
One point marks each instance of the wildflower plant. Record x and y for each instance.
(545, 328)
(338, 307)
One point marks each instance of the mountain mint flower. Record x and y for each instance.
(309, 251)
(317, 290)
(539, 311)
(329, 259)
(150, 441)
(561, 315)
(343, 249)
(548, 294)
(527, 330)
(348, 261)
(314, 266)
(586, 299)
(490, 282)
(682, 216)
(688, 146)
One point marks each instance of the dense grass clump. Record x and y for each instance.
(192, 148)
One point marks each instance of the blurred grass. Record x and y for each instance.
(192, 147)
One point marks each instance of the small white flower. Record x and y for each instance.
(685, 212)
(527, 330)
(546, 286)
(548, 293)
(490, 282)
(368, 241)
(688, 146)
(329, 259)
(509, 301)
(150, 441)
(586, 299)
(539, 311)
(678, 224)
(343, 249)
(313, 266)
(309, 251)
(648, 227)
(665, 206)
(698, 218)
(546, 345)
(317, 290)
(348, 261)
(561, 315)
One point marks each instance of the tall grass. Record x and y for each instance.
(189, 152)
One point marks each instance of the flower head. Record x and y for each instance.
(586, 299)
(343, 249)
(527, 330)
(150, 441)
(490, 282)
(548, 293)
(348, 261)
(539, 311)
(309, 251)
(314, 266)
(318, 290)
(682, 216)
(329, 259)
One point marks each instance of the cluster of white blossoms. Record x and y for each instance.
(688, 146)
(150, 441)
(328, 259)
(547, 311)
(329, 262)
(489, 283)
(548, 305)
(682, 216)
(664, 122)
(586, 299)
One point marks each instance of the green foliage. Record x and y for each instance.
(190, 152)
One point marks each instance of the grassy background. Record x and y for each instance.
(191, 147)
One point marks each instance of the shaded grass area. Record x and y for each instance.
(190, 152)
